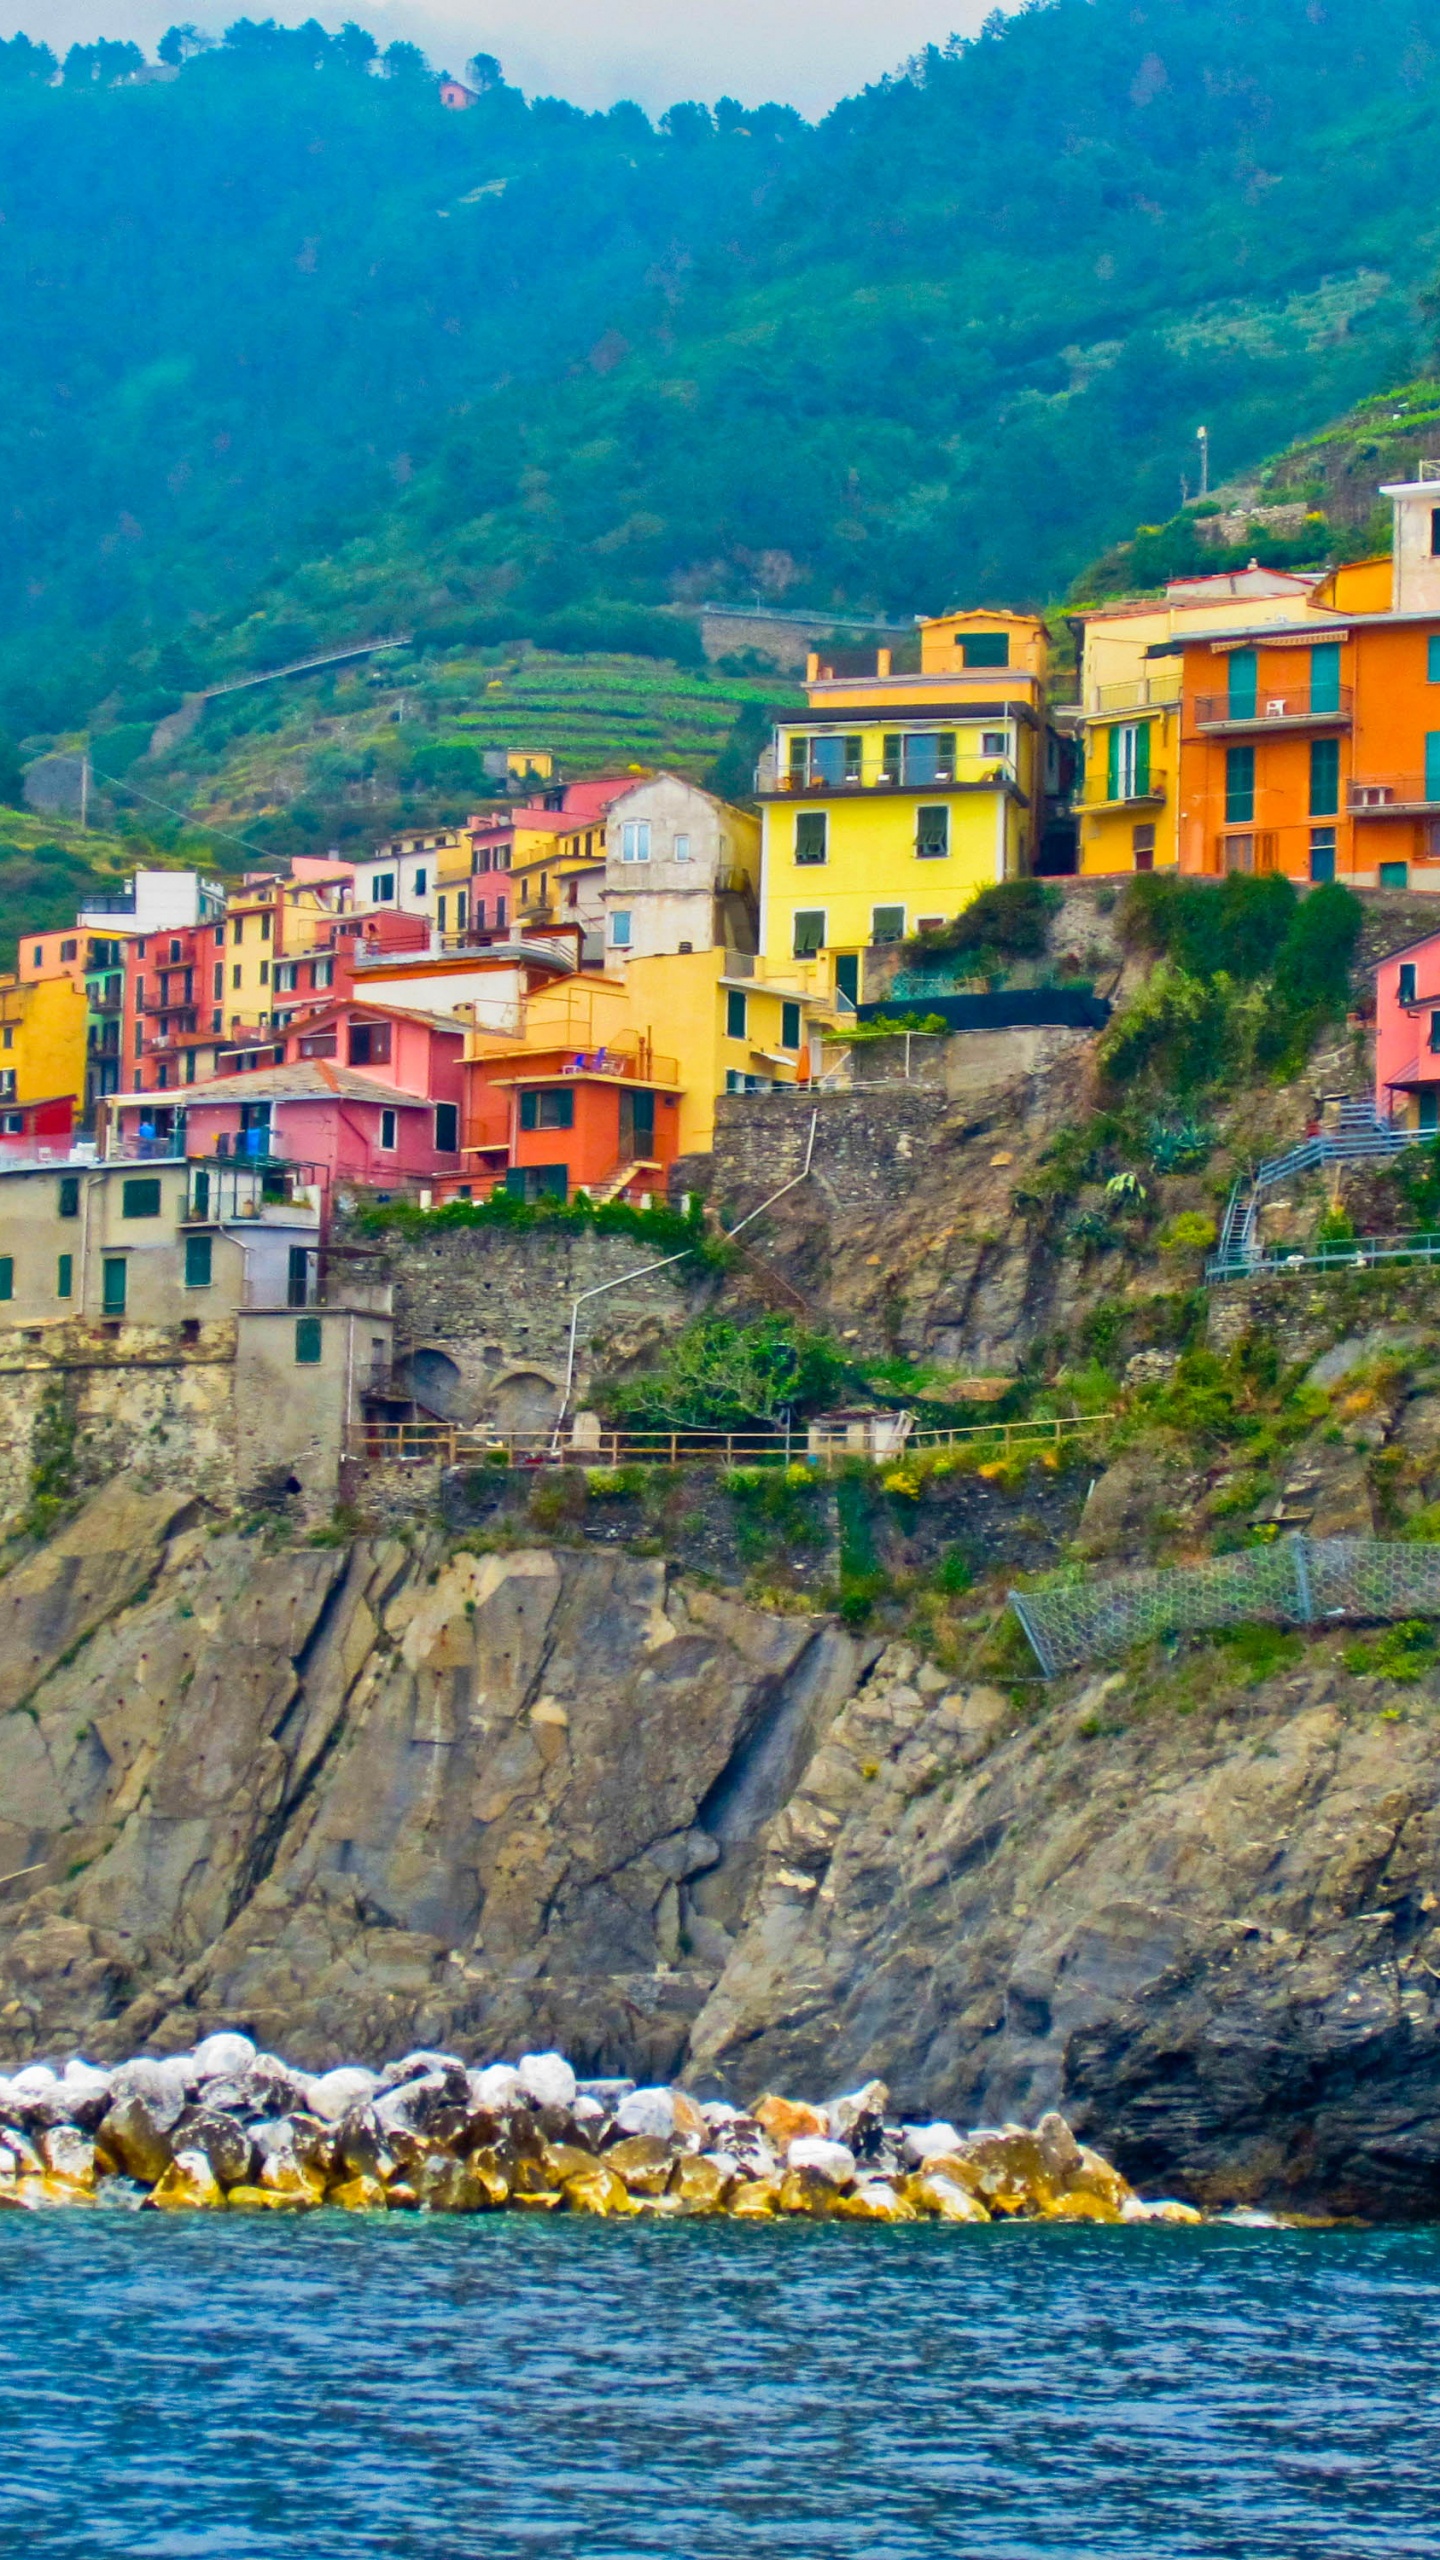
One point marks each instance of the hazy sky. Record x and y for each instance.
(810, 52)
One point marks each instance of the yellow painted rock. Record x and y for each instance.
(784, 2120)
(956, 2170)
(1013, 2171)
(1096, 2177)
(68, 2154)
(874, 2202)
(689, 2122)
(530, 2177)
(283, 2175)
(598, 2190)
(808, 2191)
(944, 2198)
(189, 2184)
(562, 2160)
(1163, 2209)
(700, 2184)
(754, 2198)
(548, 2200)
(643, 2161)
(48, 2190)
(271, 2199)
(484, 2167)
(1079, 2207)
(359, 2195)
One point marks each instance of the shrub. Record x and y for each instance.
(723, 1376)
(1189, 1231)
(1010, 918)
(1180, 1145)
(1181, 1031)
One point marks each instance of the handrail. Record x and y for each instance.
(380, 1443)
(1360, 1137)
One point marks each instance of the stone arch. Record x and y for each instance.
(524, 1400)
(436, 1383)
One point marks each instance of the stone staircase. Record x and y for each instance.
(1357, 1136)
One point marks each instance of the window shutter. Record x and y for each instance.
(1325, 677)
(1142, 760)
(1112, 764)
(1432, 765)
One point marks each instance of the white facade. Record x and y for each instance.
(1416, 553)
(157, 902)
(672, 851)
(403, 877)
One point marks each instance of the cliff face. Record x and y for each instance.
(358, 1799)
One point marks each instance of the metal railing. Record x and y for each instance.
(401, 1443)
(1153, 794)
(1359, 1135)
(1396, 795)
(1297, 706)
(1137, 693)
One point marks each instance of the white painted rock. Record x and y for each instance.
(334, 2093)
(649, 2111)
(222, 2057)
(929, 2142)
(859, 2106)
(85, 2093)
(496, 2087)
(164, 2085)
(547, 2079)
(832, 2159)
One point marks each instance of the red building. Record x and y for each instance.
(550, 1122)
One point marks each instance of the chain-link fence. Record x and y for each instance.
(1298, 1582)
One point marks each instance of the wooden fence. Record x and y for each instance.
(442, 1444)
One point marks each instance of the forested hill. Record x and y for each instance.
(292, 352)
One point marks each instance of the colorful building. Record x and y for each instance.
(1128, 716)
(1407, 1034)
(44, 1032)
(897, 795)
(681, 872)
(1311, 746)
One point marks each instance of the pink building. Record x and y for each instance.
(1407, 1034)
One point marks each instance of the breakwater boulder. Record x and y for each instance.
(227, 2127)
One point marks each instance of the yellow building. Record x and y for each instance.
(43, 1039)
(1128, 716)
(896, 796)
(269, 921)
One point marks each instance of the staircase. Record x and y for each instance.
(619, 1183)
(1358, 1134)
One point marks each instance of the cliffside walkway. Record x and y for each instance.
(1359, 1136)
(429, 1444)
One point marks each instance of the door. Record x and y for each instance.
(637, 1128)
(112, 1298)
(847, 975)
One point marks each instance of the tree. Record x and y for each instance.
(405, 62)
(179, 44)
(483, 73)
(12, 775)
(102, 65)
(20, 60)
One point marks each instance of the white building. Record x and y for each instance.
(682, 872)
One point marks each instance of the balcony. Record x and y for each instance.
(1139, 693)
(991, 773)
(1401, 795)
(1151, 796)
(1298, 706)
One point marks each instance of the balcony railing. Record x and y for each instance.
(1138, 693)
(986, 773)
(1296, 706)
(1400, 795)
(1147, 795)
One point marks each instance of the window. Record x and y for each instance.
(297, 1276)
(140, 1196)
(419, 884)
(265, 925)
(68, 950)
(7, 1275)
(682, 854)
(1430, 1108)
(1243, 682)
(809, 932)
(1322, 853)
(12, 1123)
(388, 1121)
(994, 742)
(734, 1014)
(440, 913)
(201, 1208)
(1435, 533)
(1239, 786)
(235, 978)
(1432, 666)
(112, 1285)
(984, 648)
(39, 955)
(1142, 846)
(930, 758)
(7, 1040)
(307, 1341)
(890, 752)
(382, 888)
(619, 928)
(547, 1108)
(323, 974)
(1325, 677)
(1435, 1030)
(175, 949)
(635, 840)
(218, 988)
(198, 1258)
(812, 836)
(462, 902)
(69, 1195)
(789, 1026)
(932, 833)
(500, 915)
(264, 973)
(65, 1276)
(887, 924)
(799, 763)
(1405, 991)
(237, 932)
(369, 1044)
(287, 977)
(1432, 765)
(1127, 762)
(1394, 875)
(447, 1128)
(538, 1182)
(1324, 777)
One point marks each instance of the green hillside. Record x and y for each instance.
(292, 354)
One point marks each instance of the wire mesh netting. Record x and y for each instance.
(1298, 1582)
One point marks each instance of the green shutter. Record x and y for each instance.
(789, 1026)
(1142, 761)
(1239, 786)
(734, 1014)
(1432, 765)
(65, 1276)
(1243, 675)
(1325, 677)
(1112, 764)
(1324, 777)
(140, 1197)
(1432, 657)
(7, 1275)
(307, 1341)
(112, 1286)
(198, 1262)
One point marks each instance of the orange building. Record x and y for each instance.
(1312, 747)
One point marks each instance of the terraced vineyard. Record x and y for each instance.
(342, 760)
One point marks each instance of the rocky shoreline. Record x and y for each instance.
(229, 2127)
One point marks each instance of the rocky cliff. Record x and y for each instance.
(386, 1794)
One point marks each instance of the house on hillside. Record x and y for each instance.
(682, 872)
(1407, 1034)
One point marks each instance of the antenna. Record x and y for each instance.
(1202, 438)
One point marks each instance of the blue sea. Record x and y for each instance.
(319, 2389)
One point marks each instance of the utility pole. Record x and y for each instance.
(1202, 438)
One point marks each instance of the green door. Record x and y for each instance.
(1244, 684)
(112, 1285)
(1325, 677)
(1432, 765)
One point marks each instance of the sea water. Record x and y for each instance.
(197, 2388)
